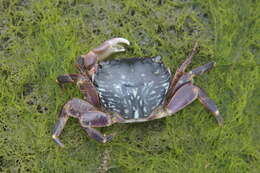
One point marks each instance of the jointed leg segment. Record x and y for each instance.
(93, 133)
(186, 95)
(187, 77)
(88, 118)
(181, 70)
(85, 85)
(211, 106)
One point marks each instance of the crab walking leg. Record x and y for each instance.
(87, 116)
(94, 134)
(211, 106)
(95, 118)
(188, 60)
(186, 95)
(107, 48)
(183, 97)
(181, 70)
(59, 127)
(85, 85)
(187, 77)
(202, 69)
(67, 78)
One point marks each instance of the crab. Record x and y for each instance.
(128, 90)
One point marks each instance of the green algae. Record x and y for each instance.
(40, 40)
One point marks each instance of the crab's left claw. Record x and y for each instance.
(113, 45)
(89, 60)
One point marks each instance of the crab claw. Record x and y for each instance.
(113, 45)
(89, 60)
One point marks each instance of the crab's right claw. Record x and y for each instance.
(89, 61)
(110, 46)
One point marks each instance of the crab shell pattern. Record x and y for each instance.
(128, 90)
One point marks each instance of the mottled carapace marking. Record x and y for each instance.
(132, 87)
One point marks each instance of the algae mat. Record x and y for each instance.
(40, 40)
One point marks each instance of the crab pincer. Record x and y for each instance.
(113, 45)
(89, 61)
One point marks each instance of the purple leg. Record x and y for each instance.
(181, 70)
(88, 117)
(211, 106)
(186, 95)
(187, 77)
(183, 97)
(93, 133)
(67, 78)
(85, 85)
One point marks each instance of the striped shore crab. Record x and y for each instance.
(128, 90)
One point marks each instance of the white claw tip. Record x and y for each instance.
(120, 40)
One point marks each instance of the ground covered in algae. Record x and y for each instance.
(41, 39)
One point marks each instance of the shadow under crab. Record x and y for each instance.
(128, 90)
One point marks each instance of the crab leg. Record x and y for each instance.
(181, 70)
(88, 117)
(187, 77)
(59, 127)
(93, 133)
(186, 95)
(101, 52)
(67, 78)
(85, 85)
(211, 106)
